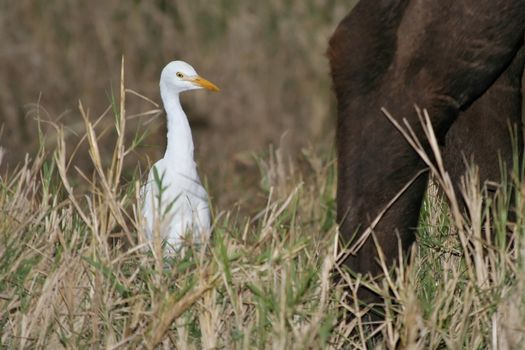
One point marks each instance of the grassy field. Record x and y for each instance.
(76, 272)
(75, 269)
(268, 58)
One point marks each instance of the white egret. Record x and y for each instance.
(174, 201)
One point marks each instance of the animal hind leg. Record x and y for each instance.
(483, 133)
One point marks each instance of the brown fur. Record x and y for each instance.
(462, 61)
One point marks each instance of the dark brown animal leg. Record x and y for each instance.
(441, 55)
(482, 133)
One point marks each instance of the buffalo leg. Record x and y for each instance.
(440, 55)
(481, 134)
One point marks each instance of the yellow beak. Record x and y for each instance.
(206, 84)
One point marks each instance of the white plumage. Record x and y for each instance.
(174, 201)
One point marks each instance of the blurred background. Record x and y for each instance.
(268, 58)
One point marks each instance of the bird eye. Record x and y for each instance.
(180, 75)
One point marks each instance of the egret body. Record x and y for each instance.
(174, 201)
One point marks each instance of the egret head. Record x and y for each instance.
(179, 76)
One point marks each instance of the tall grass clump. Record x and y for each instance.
(76, 271)
(266, 56)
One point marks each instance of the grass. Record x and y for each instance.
(76, 271)
(266, 56)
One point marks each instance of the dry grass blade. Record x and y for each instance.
(370, 229)
(173, 308)
(437, 169)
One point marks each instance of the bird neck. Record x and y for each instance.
(179, 150)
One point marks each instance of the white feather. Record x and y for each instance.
(174, 201)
